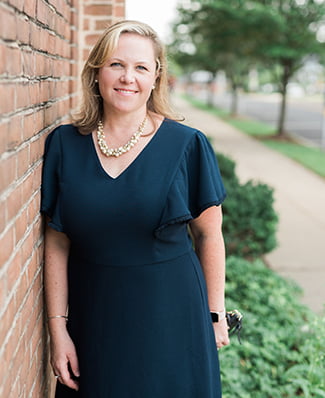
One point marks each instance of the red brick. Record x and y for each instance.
(39, 120)
(34, 89)
(14, 272)
(86, 24)
(4, 131)
(44, 91)
(9, 380)
(62, 6)
(8, 22)
(23, 33)
(3, 56)
(37, 229)
(17, 4)
(14, 202)
(8, 314)
(23, 161)
(22, 96)
(98, 9)
(74, 52)
(28, 63)
(30, 8)
(13, 61)
(37, 172)
(66, 49)
(33, 268)
(20, 293)
(21, 226)
(8, 172)
(36, 35)
(3, 218)
(26, 190)
(74, 18)
(85, 53)
(44, 39)
(28, 125)
(91, 39)
(36, 151)
(7, 102)
(102, 24)
(18, 353)
(68, 33)
(119, 11)
(7, 245)
(43, 12)
(14, 136)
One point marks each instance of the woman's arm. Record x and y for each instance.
(63, 353)
(209, 246)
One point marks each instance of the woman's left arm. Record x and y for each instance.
(209, 247)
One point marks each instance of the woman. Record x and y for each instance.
(120, 188)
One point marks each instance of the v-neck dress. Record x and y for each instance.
(138, 310)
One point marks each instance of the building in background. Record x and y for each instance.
(42, 47)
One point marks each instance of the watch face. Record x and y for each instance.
(214, 317)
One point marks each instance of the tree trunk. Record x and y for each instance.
(283, 107)
(234, 98)
(210, 91)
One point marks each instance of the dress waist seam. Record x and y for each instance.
(75, 258)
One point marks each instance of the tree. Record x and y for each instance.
(295, 40)
(235, 34)
(213, 32)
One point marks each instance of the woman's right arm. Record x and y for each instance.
(63, 353)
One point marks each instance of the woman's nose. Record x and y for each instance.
(128, 76)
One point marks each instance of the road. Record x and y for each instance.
(304, 116)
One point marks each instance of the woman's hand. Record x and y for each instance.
(221, 333)
(64, 359)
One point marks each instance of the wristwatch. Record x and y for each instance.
(218, 316)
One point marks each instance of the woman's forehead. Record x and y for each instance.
(134, 46)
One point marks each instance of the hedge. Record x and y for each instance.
(283, 343)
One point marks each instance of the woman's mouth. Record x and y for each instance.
(125, 91)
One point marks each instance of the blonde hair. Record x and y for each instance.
(91, 109)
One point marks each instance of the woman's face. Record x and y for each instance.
(127, 78)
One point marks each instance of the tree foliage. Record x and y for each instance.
(234, 35)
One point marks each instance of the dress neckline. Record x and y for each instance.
(135, 160)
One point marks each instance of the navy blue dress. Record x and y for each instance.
(138, 311)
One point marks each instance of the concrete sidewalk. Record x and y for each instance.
(299, 201)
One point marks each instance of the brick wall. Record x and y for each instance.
(41, 43)
(95, 17)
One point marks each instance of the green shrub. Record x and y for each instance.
(282, 354)
(249, 218)
(227, 168)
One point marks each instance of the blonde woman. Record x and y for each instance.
(128, 299)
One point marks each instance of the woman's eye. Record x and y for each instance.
(141, 67)
(115, 64)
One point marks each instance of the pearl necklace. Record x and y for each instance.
(101, 139)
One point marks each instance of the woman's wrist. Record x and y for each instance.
(218, 316)
(57, 317)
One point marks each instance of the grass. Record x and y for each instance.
(310, 157)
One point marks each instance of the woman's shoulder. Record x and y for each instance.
(183, 129)
(63, 136)
(185, 133)
(64, 133)
(65, 129)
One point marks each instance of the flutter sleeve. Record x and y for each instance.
(196, 186)
(51, 177)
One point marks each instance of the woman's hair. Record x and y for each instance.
(91, 109)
